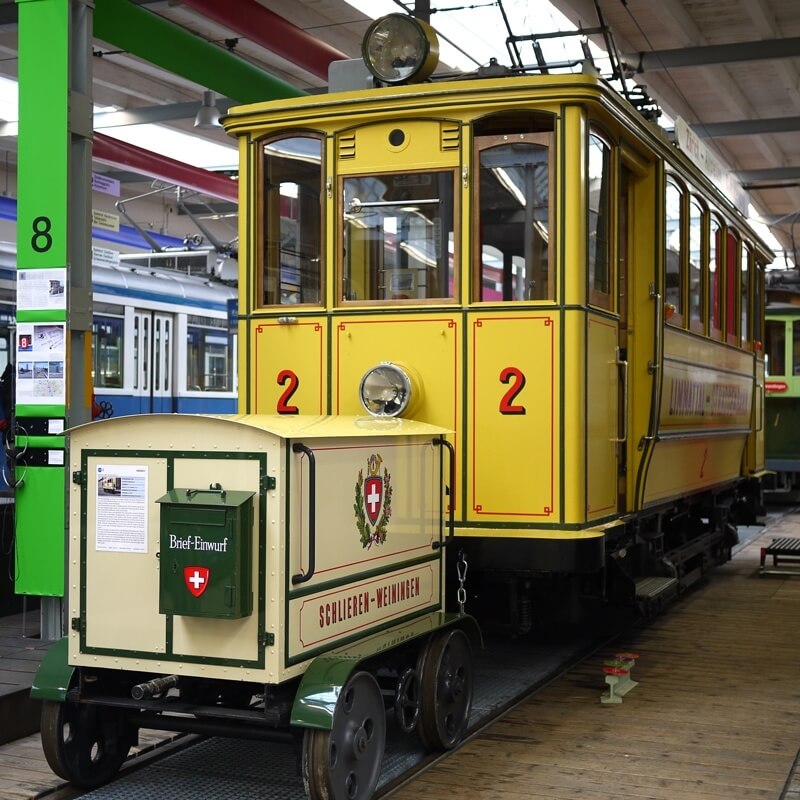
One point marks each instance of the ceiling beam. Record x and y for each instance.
(121, 154)
(746, 127)
(152, 114)
(173, 48)
(250, 19)
(707, 55)
(751, 176)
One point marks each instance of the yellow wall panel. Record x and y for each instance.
(289, 372)
(512, 395)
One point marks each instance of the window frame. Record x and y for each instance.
(482, 143)
(698, 325)
(260, 254)
(340, 301)
(596, 297)
(677, 318)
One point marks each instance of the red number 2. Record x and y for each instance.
(516, 377)
(287, 376)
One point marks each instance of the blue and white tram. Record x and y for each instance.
(161, 340)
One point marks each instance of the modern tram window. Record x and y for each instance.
(292, 221)
(599, 250)
(731, 288)
(209, 355)
(795, 348)
(697, 266)
(107, 350)
(758, 302)
(512, 219)
(715, 244)
(398, 236)
(674, 241)
(775, 347)
(744, 276)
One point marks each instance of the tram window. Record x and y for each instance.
(758, 302)
(715, 269)
(513, 218)
(107, 352)
(731, 288)
(775, 347)
(697, 261)
(209, 355)
(599, 222)
(795, 348)
(292, 221)
(398, 236)
(674, 240)
(744, 275)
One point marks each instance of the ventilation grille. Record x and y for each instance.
(347, 145)
(450, 136)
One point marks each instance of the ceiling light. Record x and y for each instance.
(208, 115)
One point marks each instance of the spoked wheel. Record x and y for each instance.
(406, 701)
(84, 744)
(446, 689)
(344, 763)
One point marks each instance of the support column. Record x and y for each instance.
(54, 306)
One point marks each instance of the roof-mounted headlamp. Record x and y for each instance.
(400, 49)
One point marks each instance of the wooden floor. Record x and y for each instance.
(716, 713)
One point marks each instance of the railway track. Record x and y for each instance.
(506, 672)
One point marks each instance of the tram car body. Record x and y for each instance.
(782, 386)
(507, 307)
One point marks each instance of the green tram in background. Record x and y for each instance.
(782, 385)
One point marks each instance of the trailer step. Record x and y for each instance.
(786, 549)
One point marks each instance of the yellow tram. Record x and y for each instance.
(502, 316)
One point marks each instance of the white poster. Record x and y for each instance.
(41, 289)
(121, 519)
(41, 359)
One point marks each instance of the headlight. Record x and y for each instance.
(400, 49)
(386, 390)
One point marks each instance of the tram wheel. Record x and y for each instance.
(84, 744)
(446, 689)
(344, 763)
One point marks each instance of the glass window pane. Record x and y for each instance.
(292, 270)
(715, 267)
(398, 236)
(775, 347)
(731, 286)
(599, 221)
(795, 348)
(745, 298)
(674, 287)
(514, 222)
(209, 358)
(696, 260)
(107, 352)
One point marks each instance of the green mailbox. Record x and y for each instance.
(206, 553)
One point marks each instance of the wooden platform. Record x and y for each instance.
(716, 713)
(21, 650)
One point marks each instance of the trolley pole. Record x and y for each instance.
(54, 299)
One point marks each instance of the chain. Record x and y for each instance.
(461, 570)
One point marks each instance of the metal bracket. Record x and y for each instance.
(79, 478)
(269, 483)
(266, 639)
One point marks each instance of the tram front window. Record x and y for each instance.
(398, 237)
(514, 218)
(292, 266)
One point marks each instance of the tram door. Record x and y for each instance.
(153, 343)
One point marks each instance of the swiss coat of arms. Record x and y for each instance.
(373, 502)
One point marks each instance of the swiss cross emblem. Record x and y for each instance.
(196, 579)
(373, 497)
(373, 502)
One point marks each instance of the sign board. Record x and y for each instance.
(104, 220)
